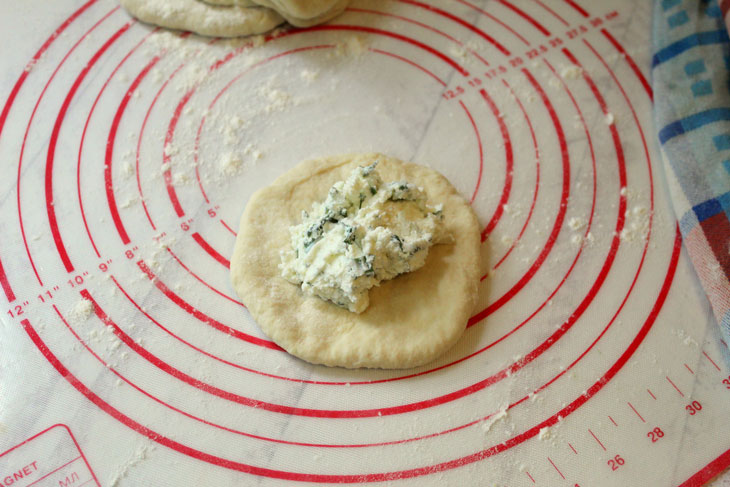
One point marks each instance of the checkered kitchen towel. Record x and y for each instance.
(691, 79)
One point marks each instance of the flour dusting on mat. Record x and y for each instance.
(82, 310)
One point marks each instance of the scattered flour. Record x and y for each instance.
(545, 433)
(353, 46)
(81, 311)
(576, 223)
(275, 99)
(459, 51)
(685, 337)
(127, 170)
(137, 457)
(488, 423)
(230, 163)
(636, 226)
(129, 203)
(308, 75)
(571, 72)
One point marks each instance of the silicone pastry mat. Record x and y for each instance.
(128, 154)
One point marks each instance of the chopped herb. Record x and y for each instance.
(349, 235)
(365, 264)
(366, 170)
(402, 191)
(399, 241)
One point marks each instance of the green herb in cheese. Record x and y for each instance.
(365, 232)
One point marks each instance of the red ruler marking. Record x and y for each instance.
(631, 62)
(556, 468)
(577, 8)
(211, 251)
(86, 127)
(537, 177)
(509, 164)
(5, 284)
(481, 150)
(637, 412)
(461, 22)
(27, 130)
(552, 12)
(675, 386)
(109, 155)
(711, 361)
(408, 40)
(55, 232)
(525, 16)
(201, 316)
(200, 280)
(233, 232)
(458, 462)
(420, 24)
(552, 238)
(139, 143)
(596, 438)
(9, 103)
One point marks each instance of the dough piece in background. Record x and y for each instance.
(230, 3)
(204, 19)
(411, 319)
(305, 13)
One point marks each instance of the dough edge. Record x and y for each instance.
(319, 332)
(203, 18)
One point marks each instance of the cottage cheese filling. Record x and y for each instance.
(365, 232)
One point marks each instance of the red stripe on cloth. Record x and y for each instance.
(717, 232)
(704, 245)
(724, 7)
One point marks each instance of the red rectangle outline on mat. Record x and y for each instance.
(76, 443)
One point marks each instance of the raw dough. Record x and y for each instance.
(305, 13)
(228, 3)
(411, 320)
(204, 19)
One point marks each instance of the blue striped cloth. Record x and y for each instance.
(691, 82)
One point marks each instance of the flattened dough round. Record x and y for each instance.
(411, 320)
(204, 19)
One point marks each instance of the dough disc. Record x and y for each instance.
(411, 320)
(204, 19)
